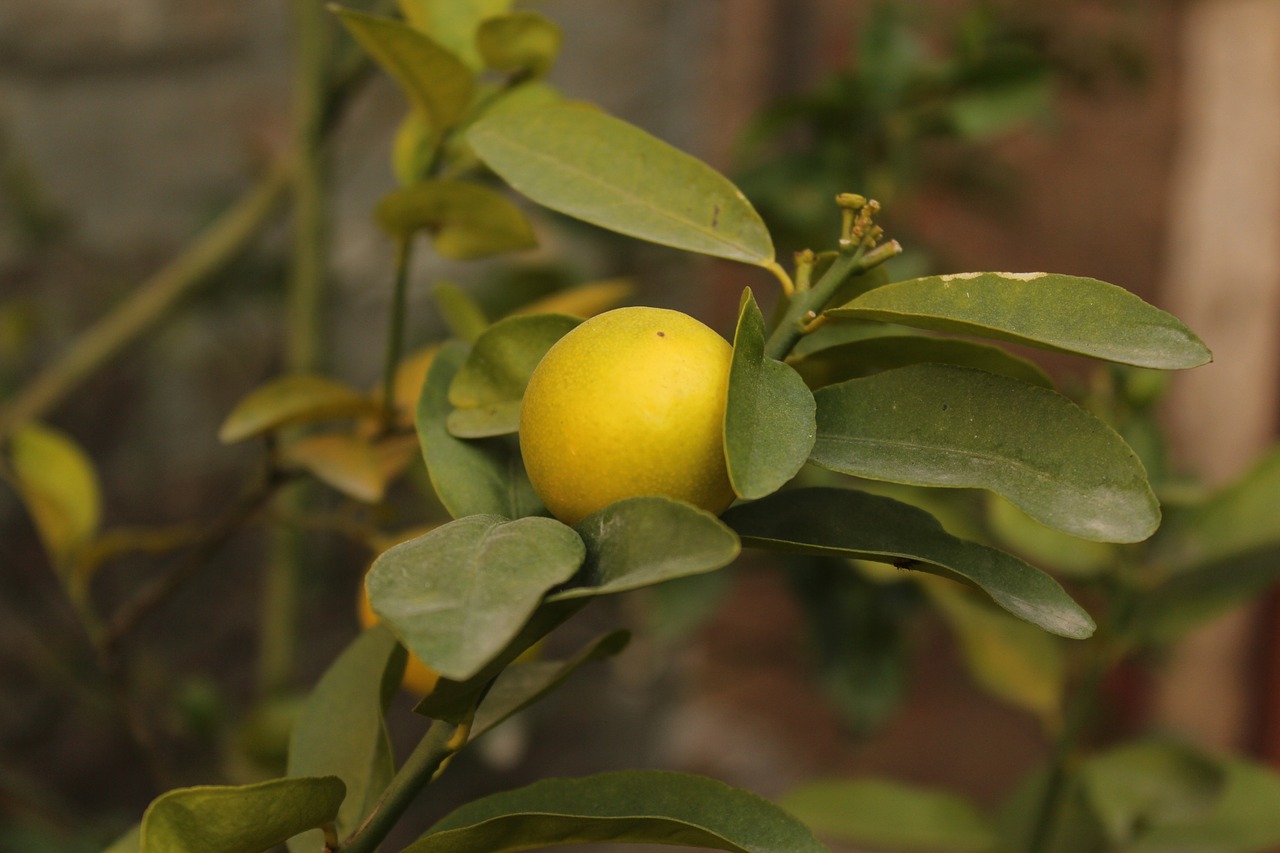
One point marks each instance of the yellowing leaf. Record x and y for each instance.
(520, 41)
(465, 220)
(289, 400)
(453, 23)
(584, 301)
(349, 464)
(59, 486)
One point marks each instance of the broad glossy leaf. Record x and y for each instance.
(459, 311)
(1242, 821)
(890, 815)
(487, 391)
(453, 23)
(1143, 785)
(465, 220)
(1062, 313)
(937, 425)
(59, 487)
(643, 541)
(243, 819)
(1009, 658)
(437, 83)
(1043, 546)
(600, 169)
(1243, 517)
(873, 355)
(456, 596)
(482, 477)
(586, 300)
(346, 462)
(828, 335)
(848, 523)
(638, 806)
(290, 400)
(522, 684)
(519, 42)
(341, 731)
(769, 417)
(1197, 595)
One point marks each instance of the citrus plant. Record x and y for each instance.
(579, 459)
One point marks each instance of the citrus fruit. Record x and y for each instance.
(629, 403)
(418, 677)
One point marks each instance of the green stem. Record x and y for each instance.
(440, 742)
(395, 330)
(220, 243)
(807, 305)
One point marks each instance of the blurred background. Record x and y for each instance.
(1133, 141)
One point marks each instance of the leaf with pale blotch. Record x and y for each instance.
(1009, 658)
(849, 523)
(769, 424)
(856, 359)
(890, 815)
(487, 391)
(522, 684)
(436, 82)
(453, 23)
(291, 400)
(59, 487)
(643, 541)
(478, 477)
(584, 300)
(346, 462)
(1062, 313)
(456, 596)
(938, 425)
(465, 220)
(519, 42)
(586, 164)
(341, 731)
(241, 819)
(636, 806)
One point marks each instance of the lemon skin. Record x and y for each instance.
(629, 403)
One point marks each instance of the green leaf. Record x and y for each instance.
(459, 311)
(1010, 659)
(887, 814)
(1043, 546)
(453, 23)
(1242, 821)
(244, 819)
(848, 523)
(1239, 518)
(437, 83)
(341, 731)
(470, 477)
(1142, 785)
(600, 169)
(488, 389)
(59, 487)
(642, 806)
(457, 595)
(522, 684)
(465, 220)
(290, 400)
(872, 355)
(413, 148)
(346, 462)
(983, 113)
(643, 541)
(1072, 827)
(130, 842)
(769, 416)
(1061, 313)
(1195, 596)
(519, 42)
(937, 425)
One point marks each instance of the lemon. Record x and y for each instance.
(629, 403)
(418, 677)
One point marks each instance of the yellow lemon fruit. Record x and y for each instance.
(418, 677)
(629, 403)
